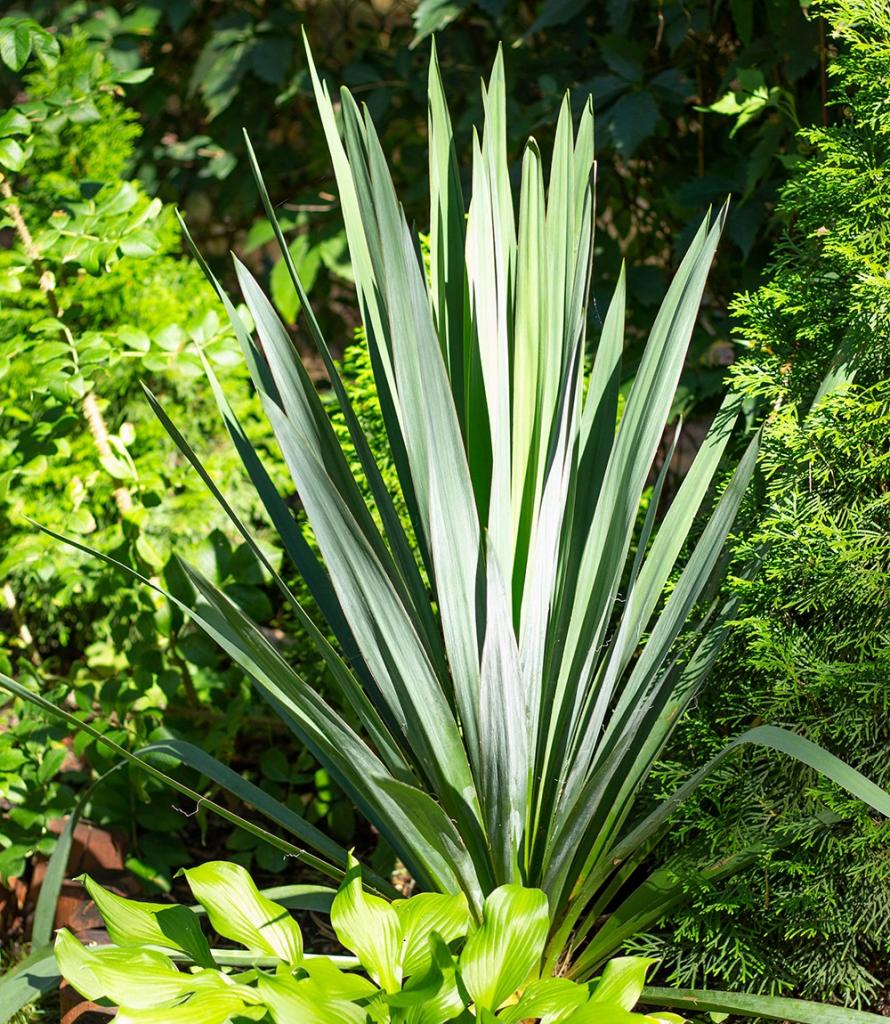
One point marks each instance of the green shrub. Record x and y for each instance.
(95, 298)
(811, 644)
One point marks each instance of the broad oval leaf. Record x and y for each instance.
(331, 982)
(132, 923)
(622, 981)
(138, 978)
(370, 927)
(423, 914)
(289, 1001)
(507, 947)
(239, 911)
(550, 999)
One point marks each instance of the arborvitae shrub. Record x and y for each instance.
(811, 644)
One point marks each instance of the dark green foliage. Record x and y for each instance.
(650, 66)
(811, 647)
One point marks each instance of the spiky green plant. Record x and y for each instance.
(510, 710)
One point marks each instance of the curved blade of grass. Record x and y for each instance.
(747, 1004)
(229, 780)
(30, 979)
(57, 865)
(773, 738)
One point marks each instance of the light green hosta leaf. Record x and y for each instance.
(419, 917)
(551, 999)
(204, 1008)
(239, 911)
(507, 948)
(326, 979)
(132, 923)
(139, 978)
(290, 1001)
(370, 927)
(622, 981)
(442, 999)
(611, 1013)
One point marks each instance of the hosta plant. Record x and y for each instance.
(509, 711)
(423, 960)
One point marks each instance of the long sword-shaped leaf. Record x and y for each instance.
(600, 757)
(640, 430)
(295, 544)
(286, 847)
(392, 525)
(346, 683)
(300, 402)
(248, 793)
(438, 460)
(671, 536)
(30, 979)
(662, 892)
(448, 286)
(747, 1004)
(333, 742)
(503, 728)
(386, 635)
(491, 259)
(529, 328)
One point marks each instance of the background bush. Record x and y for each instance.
(650, 66)
(811, 645)
(96, 297)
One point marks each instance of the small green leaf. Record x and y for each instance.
(137, 977)
(12, 156)
(133, 923)
(289, 1001)
(370, 927)
(45, 46)
(508, 946)
(622, 981)
(14, 122)
(15, 44)
(134, 338)
(134, 77)
(423, 914)
(239, 911)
